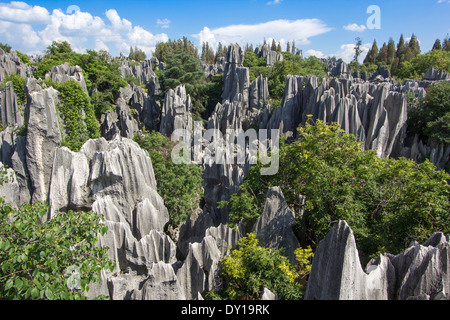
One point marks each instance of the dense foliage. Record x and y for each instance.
(185, 69)
(430, 119)
(291, 65)
(75, 109)
(251, 268)
(101, 73)
(54, 260)
(180, 185)
(405, 60)
(387, 202)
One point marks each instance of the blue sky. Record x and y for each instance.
(319, 27)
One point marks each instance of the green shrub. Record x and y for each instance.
(429, 118)
(77, 113)
(251, 268)
(36, 258)
(387, 202)
(180, 185)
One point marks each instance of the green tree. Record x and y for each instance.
(429, 119)
(274, 45)
(416, 68)
(401, 49)
(78, 115)
(180, 185)
(36, 257)
(185, 68)
(437, 45)
(58, 47)
(357, 49)
(383, 54)
(251, 268)
(372, 55)
(5, 47)
(387, 202)
(391, 51)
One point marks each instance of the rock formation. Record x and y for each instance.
(274, 227)
(176, 112)
(271, 56)
(11, 110)
(421, 272)
(436, 75)
(135, 110)
(10, 64)
(43, 137)
(65, 72)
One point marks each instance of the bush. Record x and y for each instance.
(418, 66)
(180, 185)
(429, 118)
(247, 271)
(36, 258)
(77, 113)
(387, 202)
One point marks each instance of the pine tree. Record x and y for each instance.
(372, 54)
(414, 46)
(279, 47)
(446, 44)
(401, 49)
(383, 55)
(274, 45)
(288, 47)
(391, 52)
(131, 56)
(293, 47)
(437, 45)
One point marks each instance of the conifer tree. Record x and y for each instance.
(437, 45)
(401, 49)
(383, 54)
(372, 54)
(391, 52)
(288, 47)
(274, 45)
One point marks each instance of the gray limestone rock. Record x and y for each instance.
(11, 110)
(10, 64)
(421, 272)
(9, 188)
(274, 227)
(176, 112)
(271, 56)
(43, 137)
(433, 75)
(337, 274)
(236, 78)
(66, 72)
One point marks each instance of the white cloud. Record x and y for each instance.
(288, 30)
(274, 2)
(347, 52)
(20, 12)
(354, 27)
(315, 53)
(34, 28)
(164, 23)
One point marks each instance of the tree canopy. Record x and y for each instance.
(387, 202)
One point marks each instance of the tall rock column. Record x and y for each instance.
(43, 137)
